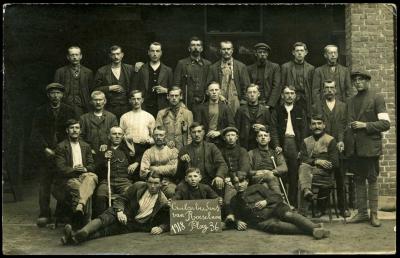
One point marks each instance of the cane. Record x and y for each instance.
(109, 181)
(280, 181)
(344, 188)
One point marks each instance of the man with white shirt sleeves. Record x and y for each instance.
(75, 166)
(334, 114)
(138, 126)
(289, 123)
(115, 80)
(367, 119)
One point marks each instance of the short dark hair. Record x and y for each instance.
(175, 88)
(318, 116)
(70, 122)
(193, 169)
(195, 38)
(155, 43)
(252, 85)
(73, 47)
(264, 129)
(194, 125)
(300, 44)
(160, 127)
(154, 174)
(290, 87)
(133, 92)
(115, 47)
(213, 82)
(241, 177)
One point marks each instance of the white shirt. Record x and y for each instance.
(116, 71)
(289, 125)
(331, 104)
(76, 154)
(146, 205)
(138, 126)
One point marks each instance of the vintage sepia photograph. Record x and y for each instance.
(170, 129)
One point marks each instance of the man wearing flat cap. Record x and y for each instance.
(232, 75)
(367, 119)
(266, 75)
(237, 159)
(47, 131)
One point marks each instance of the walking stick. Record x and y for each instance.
(109, 181)
(343, 187)
(280, 181)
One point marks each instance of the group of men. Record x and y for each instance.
(236, 125)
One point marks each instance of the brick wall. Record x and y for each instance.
(370, 46)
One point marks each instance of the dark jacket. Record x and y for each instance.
(257, 163)
(237, 159)
(272, 81)
(129, 203)
(63, 76)
(64, 162)
(242, 121)
(240, 75)
(183, 189)
(225, 116)
(335, 120)
(366, 142)
(343, 86)
(289, 78)
(104, 78)
(47, 130)
(243, 204)
(95, 131)
(165, 79)
(184, 77)
(279, 120)
(214, 163)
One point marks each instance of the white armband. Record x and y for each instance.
(383, 116)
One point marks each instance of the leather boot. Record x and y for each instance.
(82, 234)
(373, 203)
(361, 201)
(300, 221)
(67, 235)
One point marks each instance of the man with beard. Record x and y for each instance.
(121, 167)
(204, 155)
(299, 73)
(232, 75)
(115, 80)
(77, 80)
(176, 119)
(367, 119)
(191, 74)
(47, 131)
(264, 209)
(333, 71)
(266, 75)
(214, 115)
(153, 79)
(143, 207)
(334, 113)
(161, 159)
(319, 158)
(288, 129)
(96, 125)
(251, 117)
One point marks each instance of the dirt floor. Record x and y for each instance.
(22, 236)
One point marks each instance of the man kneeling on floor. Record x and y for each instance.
(264, 209)
(143, 207)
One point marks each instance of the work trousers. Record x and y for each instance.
(291, 152)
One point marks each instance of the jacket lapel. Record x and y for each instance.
(162, 74)
(293, 70)
(236, 74)
(363, 106)
(146, 76)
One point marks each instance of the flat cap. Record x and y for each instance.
(229, 129)
(262, 45)
(55, 85)
(357, 73)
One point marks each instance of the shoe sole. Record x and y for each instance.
(67, 235)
